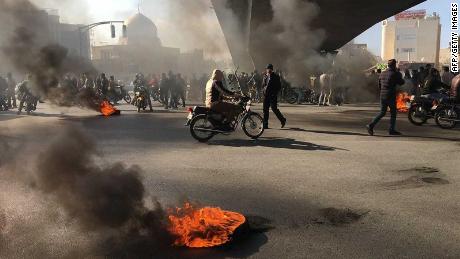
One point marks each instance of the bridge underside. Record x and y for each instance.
(342, 21)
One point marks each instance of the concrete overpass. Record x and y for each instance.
(342, 20)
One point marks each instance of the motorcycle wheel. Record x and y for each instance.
(445, 118)
(253, 125)
(197, 125)
(292, 98)
(127, 98)
(417, 115)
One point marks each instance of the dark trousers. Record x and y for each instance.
(271, 100)
(384, 105)
(164, 96)
(182, 95)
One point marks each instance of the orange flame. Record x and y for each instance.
(206, 227)
(402, 98)
(107, 109)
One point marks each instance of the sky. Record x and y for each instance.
(373, 36)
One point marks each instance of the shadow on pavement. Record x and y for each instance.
(346, 133)
(328, 132)
(283, 143)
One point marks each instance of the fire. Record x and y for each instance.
(107, 109)
(205, 227)
(402, 98)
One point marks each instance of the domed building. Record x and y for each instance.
(142, 51)
(142, 30)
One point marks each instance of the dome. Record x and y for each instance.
(141, 29)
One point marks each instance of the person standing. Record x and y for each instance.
(164, 90)
(182, 89)
(447, 76)
(271, 86)
(388, 81)
(11, 91)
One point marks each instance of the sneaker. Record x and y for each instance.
(370, 130)
(395, 133)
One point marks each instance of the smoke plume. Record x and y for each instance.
(98, 196)
(25, 45)
(105, 201)
(289, 42)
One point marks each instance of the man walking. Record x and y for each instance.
(271, 86)
(388, 81)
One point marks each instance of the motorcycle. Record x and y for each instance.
(140, 98)
(308, 96)
(204, 124)
(118, 94)
(421, 110)
(30, 102)
(448, 114)
(156, 95)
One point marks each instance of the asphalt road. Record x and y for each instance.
(323, 186)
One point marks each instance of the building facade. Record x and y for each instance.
(412, 37)
(143, 52)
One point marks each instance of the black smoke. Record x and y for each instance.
(26, 46)
(99, 197)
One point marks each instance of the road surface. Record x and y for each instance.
(325, 188)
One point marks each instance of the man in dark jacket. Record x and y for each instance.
(388, 81)
(271, 87)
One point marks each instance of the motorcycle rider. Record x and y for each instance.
(11, 90)
(140, 85)
(215, 94)
(433, 85)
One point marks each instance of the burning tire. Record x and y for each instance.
(253, 125)
(200, 128)
(418, 115)
(446, 118)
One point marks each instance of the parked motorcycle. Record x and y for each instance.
(448, 114)
(118, 94)
(140, 98)
(308, 96)
(204, 124)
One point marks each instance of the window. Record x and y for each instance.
(407, 50)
